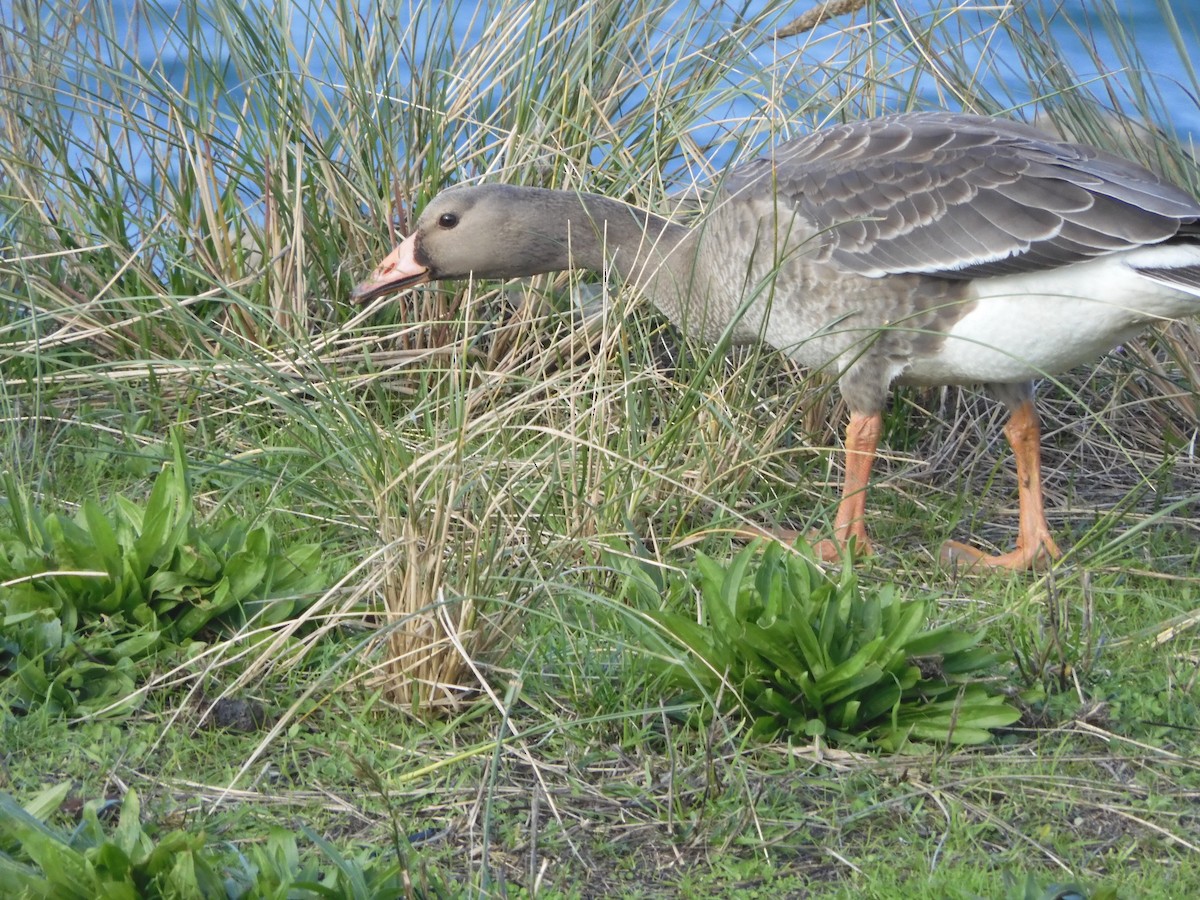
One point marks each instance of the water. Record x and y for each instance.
(156, 37)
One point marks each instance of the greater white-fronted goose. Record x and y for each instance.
(923, 248)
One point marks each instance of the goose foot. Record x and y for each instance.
(1037, 554)
(1035, 547)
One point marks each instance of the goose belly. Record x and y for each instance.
(1027, 326)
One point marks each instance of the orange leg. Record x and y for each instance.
(862, 439)
(1034, 543)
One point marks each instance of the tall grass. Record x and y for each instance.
(188, 193)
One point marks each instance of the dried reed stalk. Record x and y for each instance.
(425, 670)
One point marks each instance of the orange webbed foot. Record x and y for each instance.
(1035, 547)
(1037, 555)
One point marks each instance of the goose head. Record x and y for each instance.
(490, 231)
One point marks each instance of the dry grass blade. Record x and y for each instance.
(425, 666)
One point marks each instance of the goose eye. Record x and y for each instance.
(447, 220)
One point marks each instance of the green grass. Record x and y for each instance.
(483, 453)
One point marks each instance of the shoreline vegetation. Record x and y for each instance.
(423, 599)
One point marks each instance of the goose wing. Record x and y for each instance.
(962, 196)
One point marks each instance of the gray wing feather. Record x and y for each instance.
(963, 196)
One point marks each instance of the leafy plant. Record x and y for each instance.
(83, 598)
(37, 860)
(802, 655)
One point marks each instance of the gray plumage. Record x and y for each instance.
(963, 196)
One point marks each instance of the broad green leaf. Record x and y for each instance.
(181, 879)
(774, 650)
(130, 518)
(849, 715)
(975, 660)
(811, 695)
(768, 581)
(710, 576)
(195, 561)
(104, 536)
(302, 571)
(201, 612)
(173, 844)
(696, 640)
(17, 880)
(132, 590)
(978, 712)
(872, 652)
(815, 658)
(247, 568)
(167, 585)
(800, 576)
(765, 728)
(47, 802)
(29, 672)
(912, 614)
(883, 699)
(834, 690)
(115, 871)
(128, 833)
(732, 584)
(150, 549)
(827, 623)
(942, 641)
(776, 703)
(926, 731)
(24, 516)
(63, 866)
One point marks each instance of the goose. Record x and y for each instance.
(925, 248)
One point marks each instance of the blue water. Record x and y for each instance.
(157, 37)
